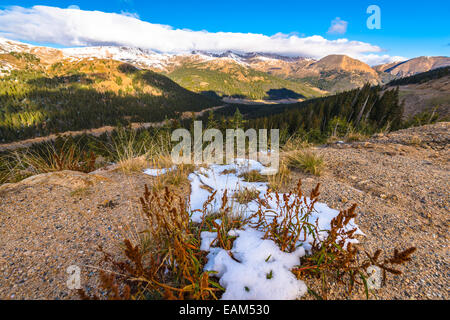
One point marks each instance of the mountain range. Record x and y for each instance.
(413, 66)
(254, 76)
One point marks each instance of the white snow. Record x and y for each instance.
(7, 45)
(207, 239)
(215, 178)
(156, 172)
(143, 58)
(255, 268)
(5, 68)
(262, 271)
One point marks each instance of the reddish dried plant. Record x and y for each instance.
(171, 267)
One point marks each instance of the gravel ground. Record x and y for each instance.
(52, 221)
(400, 182)
(401, 185)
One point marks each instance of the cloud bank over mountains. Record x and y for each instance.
(74, 27)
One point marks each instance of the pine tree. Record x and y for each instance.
(212, 123)
(237, 121)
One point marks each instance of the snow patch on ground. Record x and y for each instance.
(5, 68)
(223, 178)
(207, 239)
(255, 268)
(262, 271)
(226, 178)
(7, 45)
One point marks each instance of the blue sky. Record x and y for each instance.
(408, 28)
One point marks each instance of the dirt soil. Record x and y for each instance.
(426, 97)
(400, 182)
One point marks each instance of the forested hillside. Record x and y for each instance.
(338, 80)
(227, 78)
(87, 94)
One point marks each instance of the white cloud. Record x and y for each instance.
(130, 14)
(338, 26)
(86, 28)
(375, 59)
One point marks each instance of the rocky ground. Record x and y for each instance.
(52, 221)
(400, 182)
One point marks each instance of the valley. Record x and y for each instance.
(46, 91)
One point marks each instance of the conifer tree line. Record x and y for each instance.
(366, 110)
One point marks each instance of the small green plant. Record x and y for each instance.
(118, 80)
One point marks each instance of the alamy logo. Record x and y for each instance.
(375, 277)
(374, 21)
(74, 280)
(208, 147)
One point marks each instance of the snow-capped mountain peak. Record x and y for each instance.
(136, 56)
(7, 45)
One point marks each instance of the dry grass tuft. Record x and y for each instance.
(133, 164)
(174, 177)
(253, 176)
(46, 158)
(246, 195)
(296, 142)
(281, 179)
(162, 160)
(307, 161)
(128, 151)
(355, 136)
